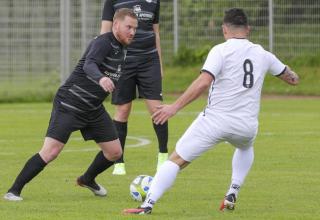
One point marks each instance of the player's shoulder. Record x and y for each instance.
(257, 46)
(104, 39)
(218, 47)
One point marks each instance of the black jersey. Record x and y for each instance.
(81, 92)
(147, 11)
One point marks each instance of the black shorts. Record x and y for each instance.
(143, 74)
(97, 125)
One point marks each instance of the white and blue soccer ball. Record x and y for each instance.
(139, 187)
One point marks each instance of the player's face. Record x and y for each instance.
(126, 29)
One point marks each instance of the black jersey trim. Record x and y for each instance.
(283, 71)
(208, 72)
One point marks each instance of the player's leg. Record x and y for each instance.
(60, 127)
(50, 150)
(162, 181)
(110, 152)
(120, 121)
(122, 97)
(161, 132)
(103, 132)
(196, 140)
(241, 164)
(150, 88)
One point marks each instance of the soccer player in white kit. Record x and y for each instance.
(234, 71)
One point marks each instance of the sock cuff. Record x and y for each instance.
(161, 126)
(38, 159)
(172, 164)
(120, 123)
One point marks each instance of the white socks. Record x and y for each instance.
(162, 181)
(166, 175)
(241, 164)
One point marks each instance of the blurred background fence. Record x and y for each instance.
(41, 41)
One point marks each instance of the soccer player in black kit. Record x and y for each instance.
(142, 70)
(78, 106)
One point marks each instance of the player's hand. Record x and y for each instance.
(163, 113)
(107, 84)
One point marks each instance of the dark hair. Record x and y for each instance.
(235, 16)
(123, 12)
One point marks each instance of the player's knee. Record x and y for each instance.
(175, 157)
(114, 155)
(117, 155)
(122, 113)
(49, 156)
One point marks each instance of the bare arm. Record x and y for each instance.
(289, 77)
(106, 26)
(197, 87)
(157, 33)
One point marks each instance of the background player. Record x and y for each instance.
(78, 106)
(143, 69)
(234, 71)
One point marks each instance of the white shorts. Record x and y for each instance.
(205, 133)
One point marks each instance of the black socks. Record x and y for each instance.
(122, 129)
(31, 169)
(98, 165)
(162, 135)
(160, 130)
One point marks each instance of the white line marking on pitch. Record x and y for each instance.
(140, 142)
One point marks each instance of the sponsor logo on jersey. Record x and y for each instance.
(113, 76)
(142, 15)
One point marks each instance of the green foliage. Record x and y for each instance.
(178, 78)
(189, 57)
(28, 90)
(305, 61)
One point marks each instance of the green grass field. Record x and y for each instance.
(283, 182)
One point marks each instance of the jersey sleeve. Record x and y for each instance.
(276, 67)
(108, 11)
(213, 63)
(157, 14)
(95, 56)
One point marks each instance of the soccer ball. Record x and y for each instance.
(139, 187)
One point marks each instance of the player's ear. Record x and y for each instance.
(224, 29)
(115, 25)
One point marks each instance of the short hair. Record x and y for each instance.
(121, 13)
(236, 17)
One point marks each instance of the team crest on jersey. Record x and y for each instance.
(137, 9)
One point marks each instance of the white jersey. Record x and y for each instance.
(239, 68)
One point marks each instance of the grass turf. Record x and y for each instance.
(283, 182)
